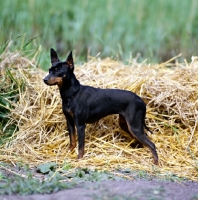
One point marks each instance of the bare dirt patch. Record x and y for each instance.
(124, 189)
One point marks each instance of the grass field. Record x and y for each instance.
(153, 30)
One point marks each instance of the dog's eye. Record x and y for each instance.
(56, 69)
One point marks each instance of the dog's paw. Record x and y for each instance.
(80, 154)
(71, 148)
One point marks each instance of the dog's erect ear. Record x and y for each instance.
(54, 56)
(70, 61)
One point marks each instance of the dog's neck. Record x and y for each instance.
(69, 88)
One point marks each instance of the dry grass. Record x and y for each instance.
(171, 94)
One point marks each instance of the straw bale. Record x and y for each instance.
(171, 95)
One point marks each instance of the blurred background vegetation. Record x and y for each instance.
(155, 30)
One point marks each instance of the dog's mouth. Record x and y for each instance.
(53, 81)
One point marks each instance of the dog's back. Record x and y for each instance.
(99, 103)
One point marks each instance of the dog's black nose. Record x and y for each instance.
(45, 80)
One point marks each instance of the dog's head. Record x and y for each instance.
(59, 71)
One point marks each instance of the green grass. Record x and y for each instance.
(30, 185)
(46, 178)
(50, 177)
(10, 86)
(158, 30)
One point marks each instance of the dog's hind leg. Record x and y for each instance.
(136, 128)
(123, 125)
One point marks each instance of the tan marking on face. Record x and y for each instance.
(55, 81)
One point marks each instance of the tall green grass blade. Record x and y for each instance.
(29, 41)
(10, 88)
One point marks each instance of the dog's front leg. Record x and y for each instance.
(72, 134)
(81, 140)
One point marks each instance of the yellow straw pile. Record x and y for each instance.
(169, 90)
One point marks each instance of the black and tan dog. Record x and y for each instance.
(84, 104)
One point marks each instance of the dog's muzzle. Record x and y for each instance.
(45, 80)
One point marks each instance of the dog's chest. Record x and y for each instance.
(67, 108)
(70, 113)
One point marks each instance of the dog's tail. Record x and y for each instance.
(147, 128)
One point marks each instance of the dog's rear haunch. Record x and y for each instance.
(84, 104)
